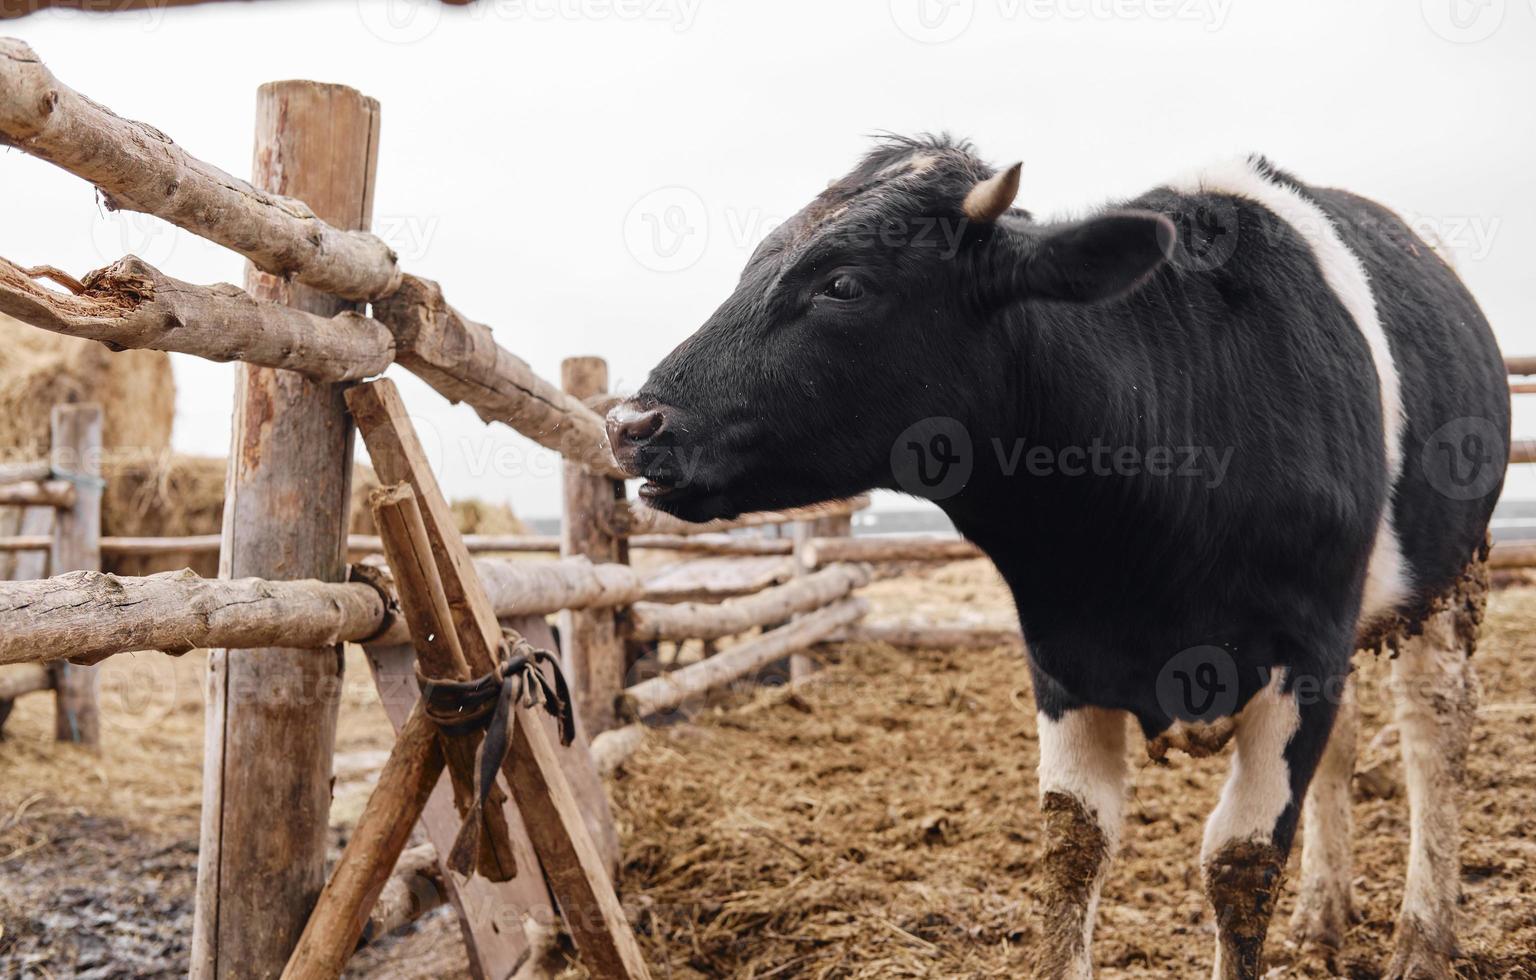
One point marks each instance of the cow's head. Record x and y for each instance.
(889, 299)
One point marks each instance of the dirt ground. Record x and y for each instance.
(879, 821)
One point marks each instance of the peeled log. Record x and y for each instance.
(49, 493)
(708, 621)
(461, 359)
(137, 168)
(931, 635)
(712, 544)
(670, 690)
(131, 304)
(644, 519)
(825, 551)
(90, 615)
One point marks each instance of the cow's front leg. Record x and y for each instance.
(1083, 773)
(1324, 907)
(1280, 738)
(1435, 696)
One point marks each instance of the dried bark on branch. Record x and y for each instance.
(132, 305)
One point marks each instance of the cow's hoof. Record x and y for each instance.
(1421, 953)
(1322, 918)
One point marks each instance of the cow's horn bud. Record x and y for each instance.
(991, 197)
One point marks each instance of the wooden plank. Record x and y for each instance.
(717, 578)
(76, 546)
(555, 822)
(285, 512)
(425, 610)
(414, 766)
(504, 924)
(592, 508)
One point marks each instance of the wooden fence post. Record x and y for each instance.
(76, 547)
(593, 649)
(271, 719)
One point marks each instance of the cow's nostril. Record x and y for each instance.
(629, 428)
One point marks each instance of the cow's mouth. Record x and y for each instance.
(651, 490)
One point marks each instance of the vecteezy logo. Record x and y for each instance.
(400, 21)
(933, 458)
(932, 21)
(1464, 458)
(1198, 684)
(1206, 236)
(667, 229)
(123, 233)
(1463, 21)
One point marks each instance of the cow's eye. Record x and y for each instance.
(843, 287)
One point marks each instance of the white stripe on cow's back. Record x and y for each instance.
(1387, 576)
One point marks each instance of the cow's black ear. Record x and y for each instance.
(1099, 258)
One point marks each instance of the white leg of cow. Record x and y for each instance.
(1083, 775)
(1324, 905)
(1280, 739)
(1435, 695)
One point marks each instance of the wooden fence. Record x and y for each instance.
(326, 306)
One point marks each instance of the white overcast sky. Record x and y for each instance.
(588, 176)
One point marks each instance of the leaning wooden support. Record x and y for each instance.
(424, 608)
(461, 359)
(341, 912)
(545, 780)
(825, 551)
(137, 168)
(132, 305)
(708, 621)
(668, 691)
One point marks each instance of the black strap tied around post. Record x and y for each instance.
(461, 707)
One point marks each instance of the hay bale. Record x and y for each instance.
(39, 369)
(480, 517)
(171, 495)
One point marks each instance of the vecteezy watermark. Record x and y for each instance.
(1464, 458)
(940, 21)
(1199, 684)
(667, 230)
(149, 13)
(1205, 234)
(936, 458)
(933, 458)
(410, 235)
(409, 21)
(119, 233)
(1463, 21)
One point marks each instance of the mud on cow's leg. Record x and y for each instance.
(1280, 738)
(1435, 697)
(1083, 775)
(1324, 904)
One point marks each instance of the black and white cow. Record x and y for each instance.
(1213, 438)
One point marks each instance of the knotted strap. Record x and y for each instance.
(461, 707)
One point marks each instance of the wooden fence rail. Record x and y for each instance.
(708, 621)
(131, 304)
(137, 168)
